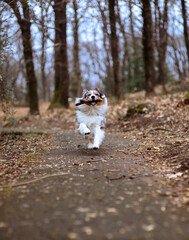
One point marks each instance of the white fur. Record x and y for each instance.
(91, 119)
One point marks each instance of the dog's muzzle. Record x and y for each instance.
(93, 100)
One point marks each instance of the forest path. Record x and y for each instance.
(93, 194)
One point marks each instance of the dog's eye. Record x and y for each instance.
(96, 93)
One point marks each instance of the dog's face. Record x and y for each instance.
(93, 97)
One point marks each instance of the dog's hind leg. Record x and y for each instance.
(98, 137)
(83, 129)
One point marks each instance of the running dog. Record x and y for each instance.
(91, 108)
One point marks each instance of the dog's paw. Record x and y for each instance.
(84, 130)
(87, 132)
(90, 146)
(95, 147)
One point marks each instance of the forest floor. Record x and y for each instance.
(136, 186)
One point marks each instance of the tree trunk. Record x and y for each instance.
(61, 91)
(25, 24)
(108, 81)
(134, 69)
(134, 40)
(125, 51)
(114, 49)
(174, 55)
(3, 88)
(77, 70)
(186, 33)
(43, 57)
(162, 36)
(148, 47)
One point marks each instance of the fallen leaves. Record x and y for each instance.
(72, 235)
(83, 209)
(149, 227)
(3, 225)
(111, 210)
(113, 170)
(19, 153)
(161, 133)
(87, 230)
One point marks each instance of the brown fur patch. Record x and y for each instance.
(88, 104)
(87, 99)
(91, 140)
(101, 103)
(76, 130)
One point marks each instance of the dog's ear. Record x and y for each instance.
(99, 91)
(85, 91)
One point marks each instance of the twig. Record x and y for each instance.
(93, 169)
(113, 170)
(161, 129)
(122, 152)
(34, 180)
(82, 101)
(91, 161)
(118, 178)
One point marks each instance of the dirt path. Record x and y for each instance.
(93, 194)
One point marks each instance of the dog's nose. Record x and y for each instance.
(92, 97)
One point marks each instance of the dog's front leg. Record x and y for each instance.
(98, 137)
(83, 129)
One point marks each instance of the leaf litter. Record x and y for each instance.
(162, 134)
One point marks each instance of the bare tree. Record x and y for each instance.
(178, 55)
(125, 49)
(134, 40)
(132, 27)
(43, 30)
(61, 91)
(109, 80)
(114, 48)
(161, 40)
(185, 25)
(77, 80)
(25, 24)
(148, 47)
(3, 43)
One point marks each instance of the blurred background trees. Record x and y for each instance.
(61, 87)
(50, 50)
(24, 22)
(148, 47)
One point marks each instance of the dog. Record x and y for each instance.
(91, 108)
